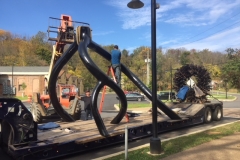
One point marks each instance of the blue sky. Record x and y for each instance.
(198, 24)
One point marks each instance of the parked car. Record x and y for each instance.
(134, 97)
(166, 95)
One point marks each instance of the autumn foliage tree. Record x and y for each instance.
(231, 69)
(37, 51)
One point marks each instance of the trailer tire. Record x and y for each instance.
(217, 114)
(207, 115)
(6, 138)
(36, 113)
(1, 133)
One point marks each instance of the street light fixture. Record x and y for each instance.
(135, 4)
(155, 142)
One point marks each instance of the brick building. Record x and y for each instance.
(19, 81)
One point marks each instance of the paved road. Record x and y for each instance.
(108, 107)
(110, 100)
(232, 104)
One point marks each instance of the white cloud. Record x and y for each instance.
(198, 12)
(132, 18)
(184, 13)
(168, 42)
(217, 42)
(194, 12)
(130, 49)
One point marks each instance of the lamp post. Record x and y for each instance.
(155, 142)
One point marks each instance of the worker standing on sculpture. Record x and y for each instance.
(116, 64)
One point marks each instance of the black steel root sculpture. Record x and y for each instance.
(102, 81)
(203, 81)
(83, 42)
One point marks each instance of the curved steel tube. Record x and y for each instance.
(103, 79)
(94, 46)
(53, 81)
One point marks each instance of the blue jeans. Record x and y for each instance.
(88, 113)
(117, 72)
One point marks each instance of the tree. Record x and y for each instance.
(24, 86)
(214, 70)
(231, 69)
(44, 54)
(184, 58)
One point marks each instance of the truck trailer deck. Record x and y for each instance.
(81, 136)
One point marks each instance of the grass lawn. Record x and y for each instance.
(21, 98)
(222, 96)
(139, 105)
(144, 105)
(183, 143)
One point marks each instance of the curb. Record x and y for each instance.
(147, 145)
(141, 110)
(227, 100)
(24, 100)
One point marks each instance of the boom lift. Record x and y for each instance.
(41, 106)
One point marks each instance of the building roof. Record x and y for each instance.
(24, 70)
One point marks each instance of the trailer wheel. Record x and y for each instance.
(0, 133)
(207, 115)
(6, 138)
(217, 114)
(37, 117)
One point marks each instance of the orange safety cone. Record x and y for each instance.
(127, 118)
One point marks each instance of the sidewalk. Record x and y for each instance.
(226, 148)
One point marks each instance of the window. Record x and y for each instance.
(20, 87)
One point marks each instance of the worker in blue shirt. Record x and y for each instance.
(116, 58)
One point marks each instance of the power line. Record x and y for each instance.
(209, 29)
(213, 33)
(213, 26)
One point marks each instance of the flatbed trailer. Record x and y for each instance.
(82, 136)
(21, 138)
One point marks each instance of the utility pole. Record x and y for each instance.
(147, 68)
(171, 82)
(12, 81)
(142, 74)
(147, 61)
